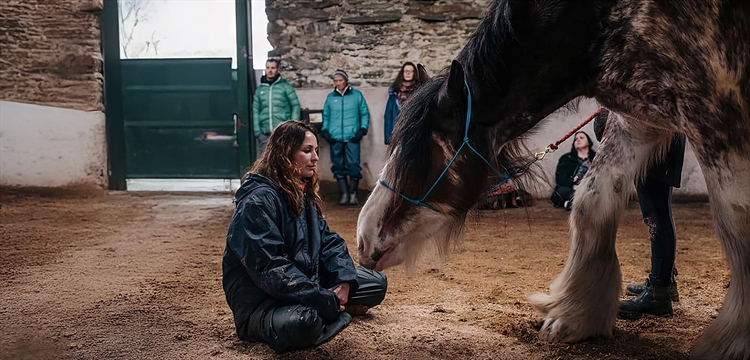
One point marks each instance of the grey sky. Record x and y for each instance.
(193, 28)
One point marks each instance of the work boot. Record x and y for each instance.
(653, 300)
(353, 186)
(344, 189)
(636, 289)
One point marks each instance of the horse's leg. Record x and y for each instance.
(728, 184)
(583, 299)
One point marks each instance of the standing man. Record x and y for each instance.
(346, 120)
(275, 101)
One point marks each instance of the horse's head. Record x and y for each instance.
(525, 60)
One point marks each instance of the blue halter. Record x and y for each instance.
(504, 176)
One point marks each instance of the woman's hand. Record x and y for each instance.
(342, 292)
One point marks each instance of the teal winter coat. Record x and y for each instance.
(273, 104)
(344, 115)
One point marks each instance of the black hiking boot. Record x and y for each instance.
(344, 190)
(653, 300)
(637, 289)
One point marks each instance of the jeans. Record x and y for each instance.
(655, 198)
(260, 144)
(561, 195)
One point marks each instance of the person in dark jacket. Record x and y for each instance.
(346, 120)
(655, 198)
(407, 81)
(274, 102)
(289, 280)
(571, 168)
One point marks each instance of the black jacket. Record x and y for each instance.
(272, 253)
(566, 168)
(667, 170)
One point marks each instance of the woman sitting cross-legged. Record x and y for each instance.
(571, 168)
(288, 278)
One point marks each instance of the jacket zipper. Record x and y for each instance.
(270, 107)
(342, 115)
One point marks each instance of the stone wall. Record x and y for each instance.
(50, 53)
(370, 39)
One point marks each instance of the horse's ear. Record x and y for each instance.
(422, 74)
(456, 80)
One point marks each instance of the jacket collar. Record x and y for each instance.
(342, 93)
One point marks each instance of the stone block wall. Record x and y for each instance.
(50, 53)
(370, 39)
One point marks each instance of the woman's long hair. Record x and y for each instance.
(277, 164)
(416, 81)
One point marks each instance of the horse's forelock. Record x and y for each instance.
(413, 137)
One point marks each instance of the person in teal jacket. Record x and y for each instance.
(275, 101)
(346, 120)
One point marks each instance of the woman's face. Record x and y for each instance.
(581, 142)
(408, 73)
(306, 156)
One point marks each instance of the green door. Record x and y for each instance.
(179, 117)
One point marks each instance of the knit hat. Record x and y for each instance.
(341, 73)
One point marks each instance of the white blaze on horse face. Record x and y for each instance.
(406, 243)
(369, 223)
(404, 246)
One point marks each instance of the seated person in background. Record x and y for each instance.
(288, 278)
(571, 168)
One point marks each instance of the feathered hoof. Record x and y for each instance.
(567, 322)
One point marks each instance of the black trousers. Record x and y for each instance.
(287, 327)
(655, 198)
(561, 195)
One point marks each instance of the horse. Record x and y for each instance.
(660, 67)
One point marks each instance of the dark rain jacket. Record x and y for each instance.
(270, 253)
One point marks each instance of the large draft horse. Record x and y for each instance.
(660, 66)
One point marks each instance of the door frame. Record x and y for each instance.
(113, 114)
(112, 97)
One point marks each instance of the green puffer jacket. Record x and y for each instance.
(344, 115)
(272, 105)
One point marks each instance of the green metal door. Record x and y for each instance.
(179, 117)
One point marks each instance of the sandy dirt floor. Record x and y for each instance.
(89, 274)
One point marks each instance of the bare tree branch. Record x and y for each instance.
(133, 13)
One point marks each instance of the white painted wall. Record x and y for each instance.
(548, 131)
(49, 146)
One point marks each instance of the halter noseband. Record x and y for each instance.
(504, 176)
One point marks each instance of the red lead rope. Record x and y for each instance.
(519, 170)
(575, 129)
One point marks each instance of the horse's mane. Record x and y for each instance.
(493, 32)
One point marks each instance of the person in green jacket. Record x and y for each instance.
(275, 101)
(346, 120)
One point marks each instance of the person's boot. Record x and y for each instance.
(637, 289)
(353, 186)
(344, 189)
(330, 330)
(653, 300)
